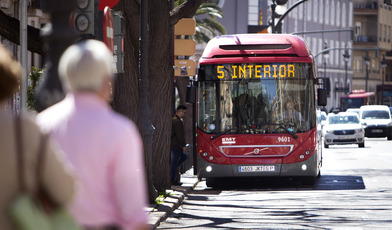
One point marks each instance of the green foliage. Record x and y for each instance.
(160, 199)
(207, 27)
(34, 77)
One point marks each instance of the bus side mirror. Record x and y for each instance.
(190, 94)
(321, 97)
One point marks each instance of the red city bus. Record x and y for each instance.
(243, 85)
(356, 99)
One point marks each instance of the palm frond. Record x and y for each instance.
(207, 26)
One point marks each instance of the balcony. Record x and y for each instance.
(365, 8)
(363, 40)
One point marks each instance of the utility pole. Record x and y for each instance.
(23, 54)
(367, 63)
(383, 66)
(346, 58)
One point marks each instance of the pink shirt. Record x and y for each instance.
(107, 152)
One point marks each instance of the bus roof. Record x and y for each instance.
(254, 45)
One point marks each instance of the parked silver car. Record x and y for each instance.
(343, 128)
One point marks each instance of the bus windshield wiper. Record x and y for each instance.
(226, 132)
(283, 127)
(223, 133)
(290, 131)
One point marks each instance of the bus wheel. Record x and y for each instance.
(389, 137)
(319, 174)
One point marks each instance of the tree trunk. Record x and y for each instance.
(161, 88)
(126, 91)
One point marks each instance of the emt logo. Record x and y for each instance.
(228, 140)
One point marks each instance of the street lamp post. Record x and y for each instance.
(326, 56)
(278, 3)
(383, 66)
(367, 62)
(346, 58)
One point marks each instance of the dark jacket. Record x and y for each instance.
(177, 134)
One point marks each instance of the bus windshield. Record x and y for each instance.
(256, 98)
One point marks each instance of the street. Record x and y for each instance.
(354, 192)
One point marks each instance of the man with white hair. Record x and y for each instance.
(104, 147)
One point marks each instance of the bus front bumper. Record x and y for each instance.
(310, 167)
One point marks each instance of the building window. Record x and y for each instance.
(333, 12)
(379, 32)
(341, 55)
(301, 11)
(314, 8)
(344, 13)
(253, 12)
(326, 8)
(385, 33)
(338, 14)
(314, 45)
(337, 53)
(321, 12)
(374, 65)
(358, 31)
(320, 47)
(357, 64)
(309, 10)
(350, 13)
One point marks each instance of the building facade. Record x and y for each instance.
(372, 59)
(326, 24)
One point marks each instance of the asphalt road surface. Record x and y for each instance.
(354, 192)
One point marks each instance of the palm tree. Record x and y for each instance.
(207, 27)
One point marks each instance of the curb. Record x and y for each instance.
(160, 212)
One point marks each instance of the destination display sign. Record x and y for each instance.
(252, 70)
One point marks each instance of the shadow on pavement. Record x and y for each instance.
(325, 182)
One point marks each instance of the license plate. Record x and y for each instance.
(376, 130)
(343, 137)
(258, 168)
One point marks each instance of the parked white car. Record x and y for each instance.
(377, 120)
(343, 128)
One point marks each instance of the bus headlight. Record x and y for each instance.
(208, 169)
(205, 154)
(304, 167)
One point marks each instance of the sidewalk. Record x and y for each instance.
(159, 213)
